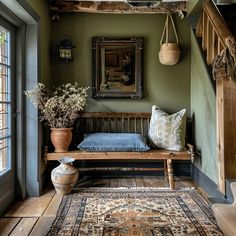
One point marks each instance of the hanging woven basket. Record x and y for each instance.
(169, 52)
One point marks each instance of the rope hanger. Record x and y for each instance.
(166, 29)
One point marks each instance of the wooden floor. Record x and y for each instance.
(34, 216)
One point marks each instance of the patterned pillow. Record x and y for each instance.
(167, 131)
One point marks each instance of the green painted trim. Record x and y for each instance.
(31, 12)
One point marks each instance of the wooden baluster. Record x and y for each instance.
(218, 45)
(204, 17)
(215, 46)
(199, 30)
(221, 46)
(209, 43)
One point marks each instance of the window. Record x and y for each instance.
(5, 100)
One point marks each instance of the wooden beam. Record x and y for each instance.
(115, 7)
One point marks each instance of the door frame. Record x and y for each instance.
(7, 178)
(28, 145)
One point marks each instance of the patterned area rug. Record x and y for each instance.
(134, 212)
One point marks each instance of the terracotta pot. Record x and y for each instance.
(61, 138)
(64, 176)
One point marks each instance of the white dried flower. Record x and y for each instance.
(62, 108)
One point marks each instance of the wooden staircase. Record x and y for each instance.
(215, 30)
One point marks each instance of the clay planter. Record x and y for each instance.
(64, 176)
(61, 138)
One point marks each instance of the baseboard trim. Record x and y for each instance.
(228, 189)
(209, 186)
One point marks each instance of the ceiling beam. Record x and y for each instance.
(117, 6)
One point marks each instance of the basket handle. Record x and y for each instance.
(166, 29)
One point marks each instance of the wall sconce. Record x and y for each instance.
(65, 50)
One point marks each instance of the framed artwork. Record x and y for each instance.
(117, 67)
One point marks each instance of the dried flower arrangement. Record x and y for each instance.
(61, 108)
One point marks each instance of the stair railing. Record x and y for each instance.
(214, 32)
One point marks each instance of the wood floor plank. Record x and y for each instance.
(24, 208)
(130, 182)
(101, 182)
(84, 181)
(51, 210)
(155, 181)
(183, 182)
(42, 226)
(122, 182)
(7, 225)
(115, 182)
(139, 181)
(24, 227)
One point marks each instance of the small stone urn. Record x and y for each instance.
(65, 176)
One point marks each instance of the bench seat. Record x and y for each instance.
(155, 154)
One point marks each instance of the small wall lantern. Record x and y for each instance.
(65, 50)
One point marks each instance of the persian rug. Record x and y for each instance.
(134, 212)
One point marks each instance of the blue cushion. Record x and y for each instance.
(114, 142)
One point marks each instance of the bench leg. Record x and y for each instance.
(170, 173)
(165, 170)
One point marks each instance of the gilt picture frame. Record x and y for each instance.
(117, 67)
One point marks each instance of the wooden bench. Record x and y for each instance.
(120, 122)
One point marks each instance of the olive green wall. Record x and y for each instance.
(41, 8)
(166, 86)
(203, 108)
